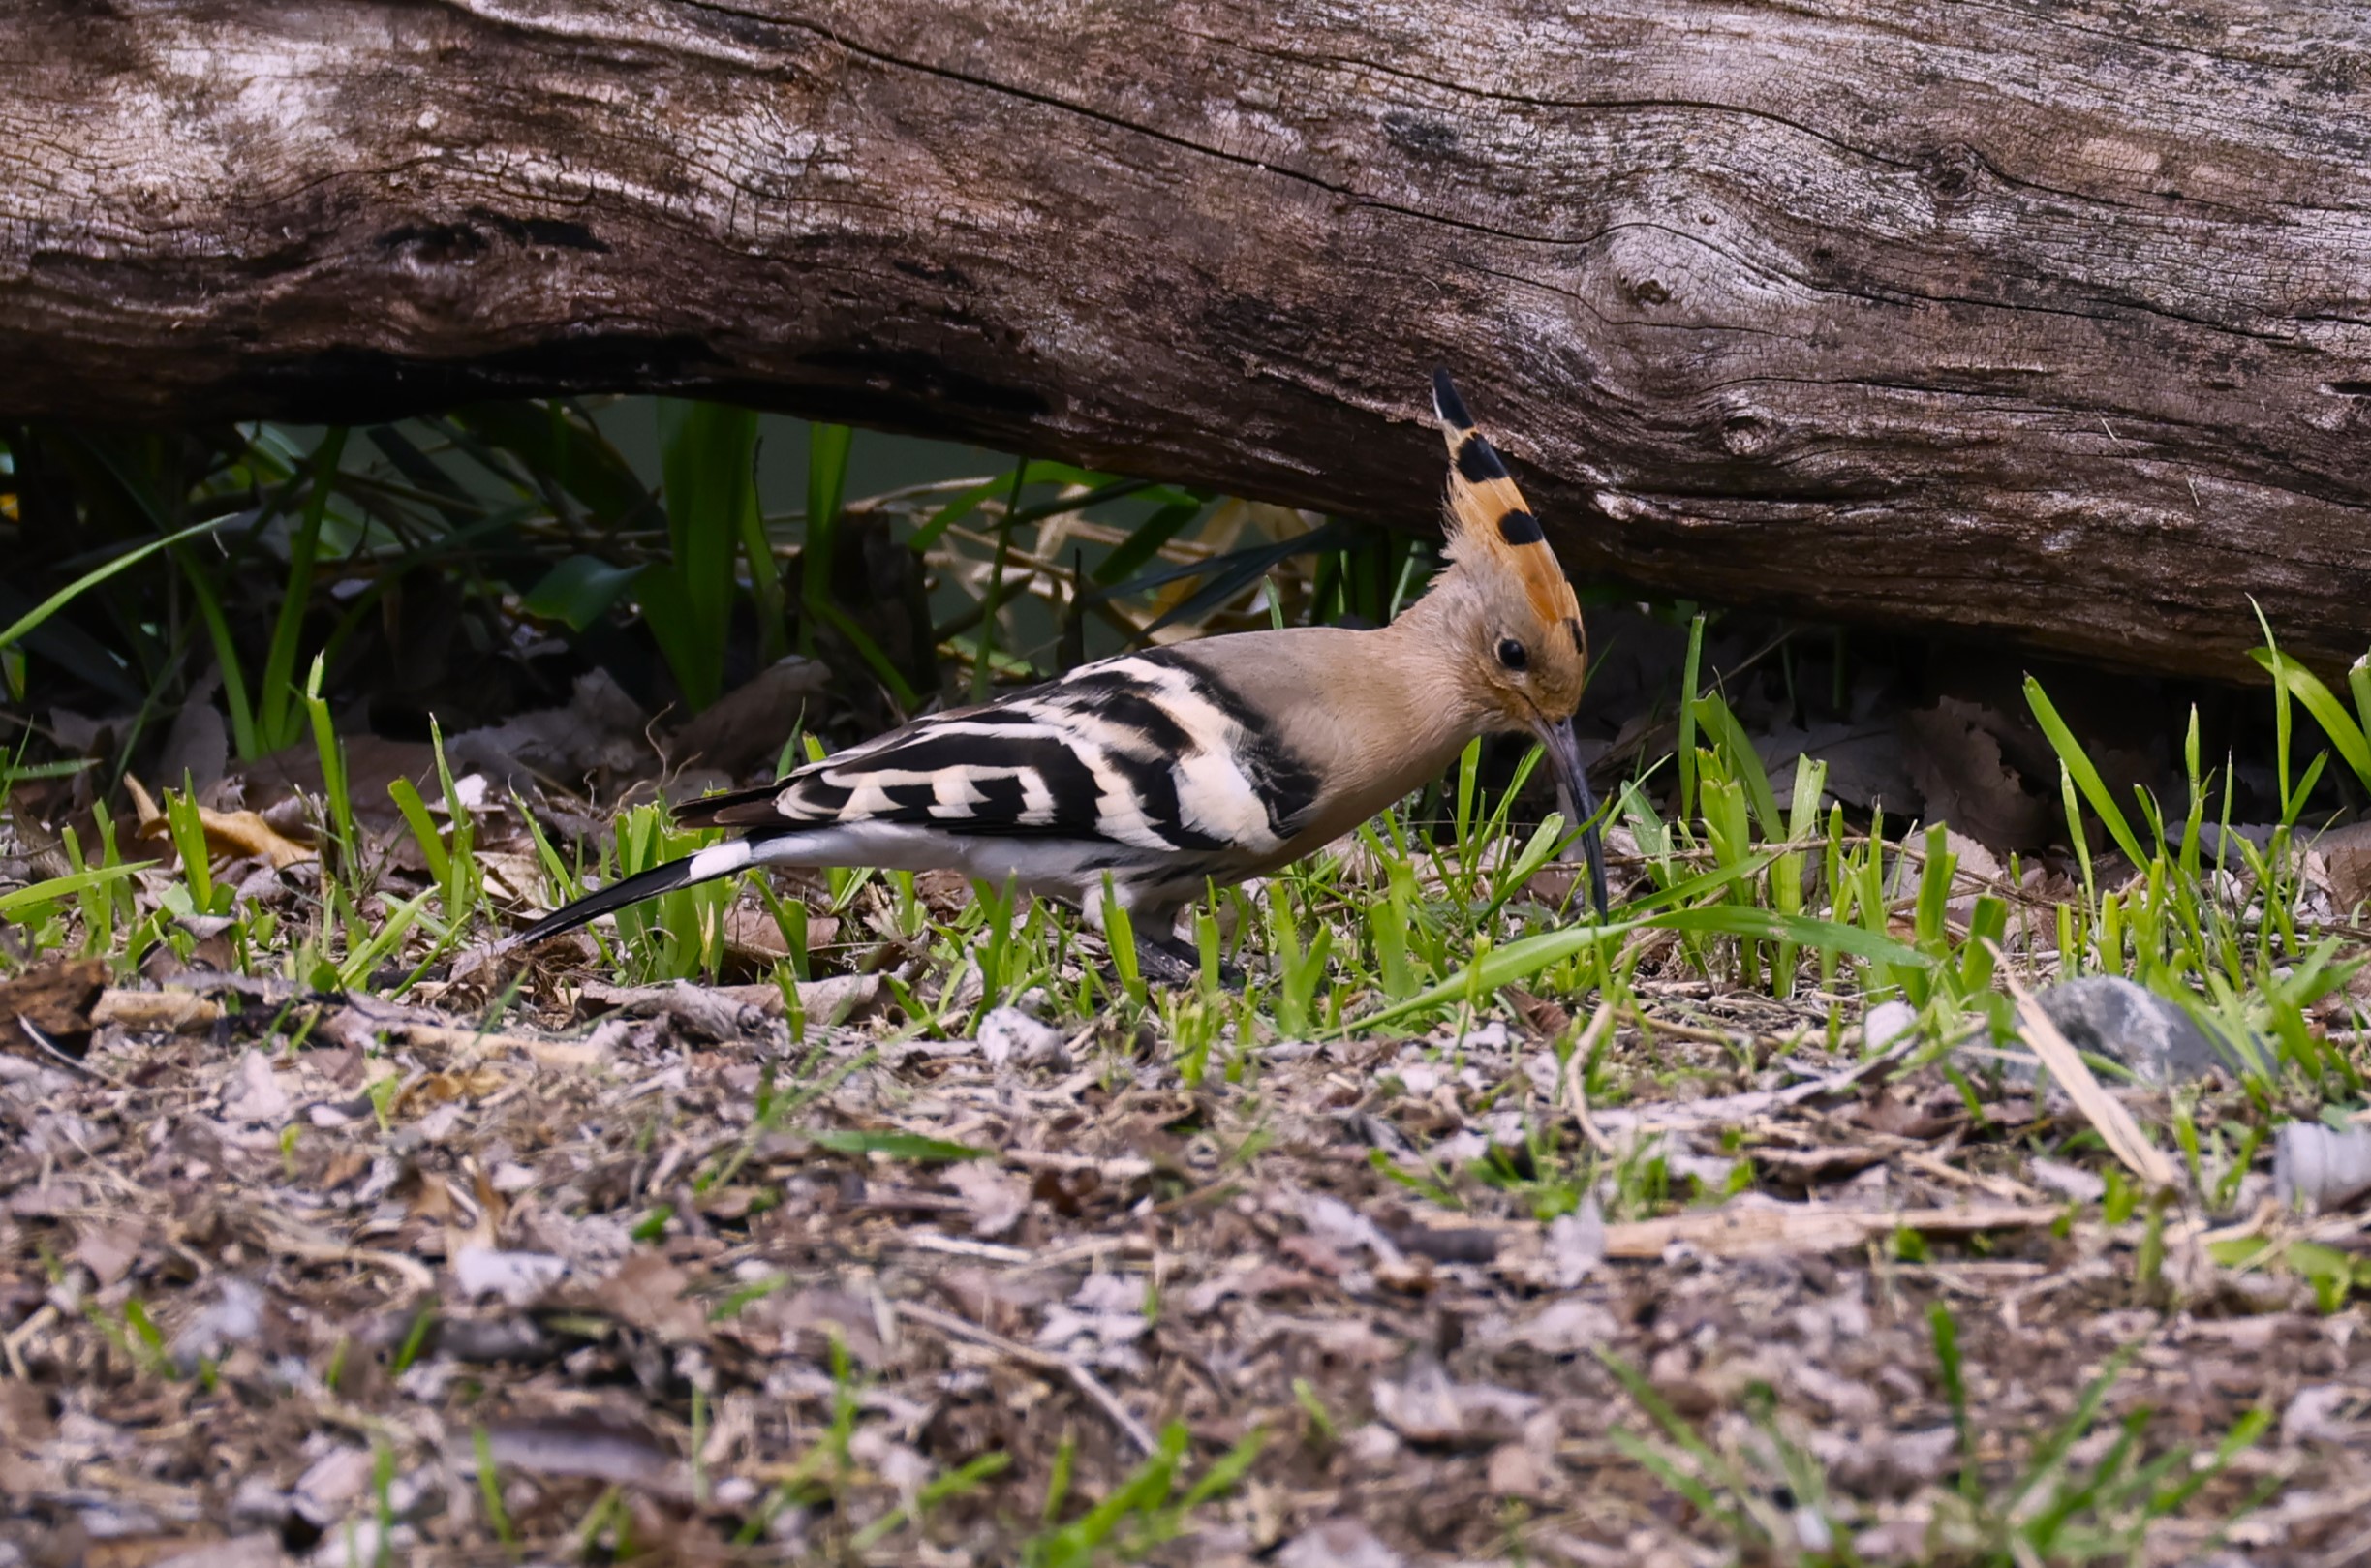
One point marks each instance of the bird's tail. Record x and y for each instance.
(706, 866)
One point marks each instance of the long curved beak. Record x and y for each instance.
(1574, 800)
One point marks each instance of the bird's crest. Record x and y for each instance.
(1489, 521)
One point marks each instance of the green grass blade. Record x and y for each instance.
(361, 962)
(983, 663)
(1946, 1331)
(21, 903)
(2353, 747)
(1743, 762)
(1097, 489)
(189, 841)
(31, 621)
(827, 458)
(1144, 540)
(706, 452)
(1690, 684)
(693, 657)
(577, 590)
(1520, 960)
(1804, 931)
(765, 575)
(554, 442)
(244, 739)
(876, 660)
(1225, 1471)
(910, 1146)
(965, 504)
(2086, 778)
(1232, 574)
(2054, 1448)
(1079, 1543)
(275, 710)
(407, 798)
(333, 757)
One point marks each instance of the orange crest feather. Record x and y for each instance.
(1488, 515)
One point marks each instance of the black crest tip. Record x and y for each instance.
(1446, 402)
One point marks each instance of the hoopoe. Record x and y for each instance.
(1153, 774)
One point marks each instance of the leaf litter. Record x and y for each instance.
(243, 1288)
(566, 1261)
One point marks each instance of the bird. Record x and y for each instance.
(1150, 775)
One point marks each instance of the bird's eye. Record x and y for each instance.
(1513, 654)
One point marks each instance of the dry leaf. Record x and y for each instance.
(1337, 1543)
(241, 835)
(255, 1098)
(1429, 1407)
(519, 1279)
(1741, 1229)
(1953, 757)
(1009, 1037)
(56, 998)
(179, 1012)
(746, 726)
(108, 1252)
(1542, 1017)
(647, 1291)
(998, 1198)
(1567, 1327)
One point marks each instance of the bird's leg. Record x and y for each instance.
(1161, 957)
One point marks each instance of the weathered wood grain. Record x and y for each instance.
(2036, 319)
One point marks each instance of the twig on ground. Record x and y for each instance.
(1576, 1067)
(1742, 1230)
(1084, 1380)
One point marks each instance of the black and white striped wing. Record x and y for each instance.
(1147, 753)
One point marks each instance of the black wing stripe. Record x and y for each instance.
(1128, 705)
(1076, 799)
(911, 800)
(1102, 753)
(737, 807)
(807, 797)
(1287, 786)
(1000, 799)
(994, 769)
(1153, 781)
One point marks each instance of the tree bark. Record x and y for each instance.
(2043, 320)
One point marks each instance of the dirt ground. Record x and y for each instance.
(293, 1275)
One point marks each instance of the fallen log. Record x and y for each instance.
(2040, 323)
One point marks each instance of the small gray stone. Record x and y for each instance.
(2111, 1017)
(1341, 1542)
(1009, 1037)
(234, 1317)
(2318, 1168)
(1886, 1022)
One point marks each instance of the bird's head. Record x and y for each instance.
(1510, 609)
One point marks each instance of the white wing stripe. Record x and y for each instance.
(1215, 796)
(1143, 752)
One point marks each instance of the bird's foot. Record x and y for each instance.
(1166, 961)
